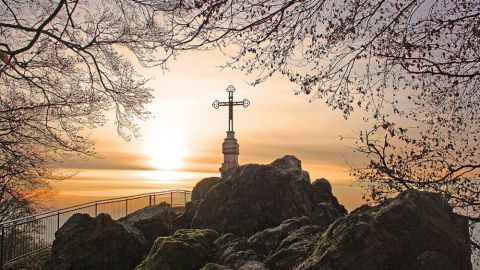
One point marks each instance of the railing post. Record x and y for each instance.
(171, 199)
(2, 247)
(154, 199)
(185, 198)
(126, 206)
(150, 200)
(96, 206)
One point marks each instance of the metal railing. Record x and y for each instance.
(24, 236)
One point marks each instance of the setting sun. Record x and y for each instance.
(166, 147)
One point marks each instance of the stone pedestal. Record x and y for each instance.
(230, 150)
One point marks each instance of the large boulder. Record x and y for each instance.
(295, 248)
(184, 221)
(266, 241)
(214, 266)
(323, 184)
(431, 260)
(287, 162)
(280, 247)
(152, 221)
(203, 186)
(292, 164)
(187, 249)
(401, 233)
(237, 252)
(255, 197)
(233, 252)
(100, 243)
(253, 265)
(250, 265)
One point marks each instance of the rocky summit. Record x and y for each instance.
(254, 197)
(270, 217)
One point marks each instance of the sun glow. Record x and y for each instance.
(166, 147)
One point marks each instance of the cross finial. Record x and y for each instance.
(230, 88)
(230, 103)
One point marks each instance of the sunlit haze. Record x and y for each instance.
(166, 146)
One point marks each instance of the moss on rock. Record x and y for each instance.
(186, 249)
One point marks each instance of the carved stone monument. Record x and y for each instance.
(230, 147)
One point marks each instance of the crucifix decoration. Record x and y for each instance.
(230, 147)
(230, 103)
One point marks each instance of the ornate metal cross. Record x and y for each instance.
(230, 103)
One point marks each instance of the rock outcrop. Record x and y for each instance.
(251, 265)
(295, 248)
(401, 233)
(153, 221)
(184, 221)
(201, 188)
(234, 252)
(293, 165)
(288, 162)
(214, 266)
(199, 192)
(237, 252)
(187, 249)
(431, 260)
(266, 241)
(323, 184)
(84, 242)
(255, 197)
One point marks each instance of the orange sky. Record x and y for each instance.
(185, 133)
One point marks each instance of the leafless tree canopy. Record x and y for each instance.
(64, 65)
(348, 52)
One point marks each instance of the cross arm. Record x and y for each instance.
(222, 103)
(244, 102)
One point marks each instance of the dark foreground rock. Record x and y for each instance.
(295, 248)
(187, 249)
(153, 221)
(255, 197)
(84, 242)
(401, 233)
(199, 192)
(250, 265)
(203, 186)
(266, 241)
(237, 252)
(431, 260)
(184, 221)
(233, 252)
